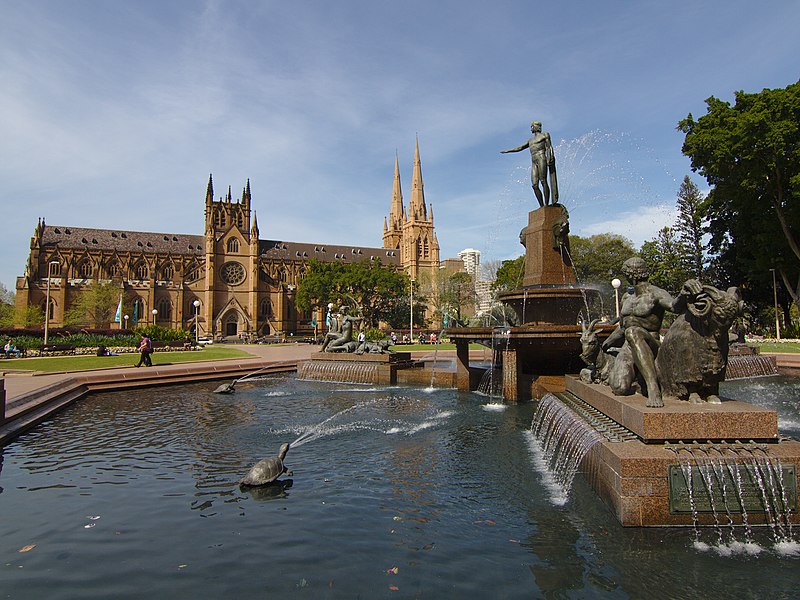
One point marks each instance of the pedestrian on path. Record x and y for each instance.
(146, 349)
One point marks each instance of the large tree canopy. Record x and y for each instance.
(598, 258)
(379, 291)
(750, 155)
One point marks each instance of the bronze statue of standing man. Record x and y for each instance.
(543, 161)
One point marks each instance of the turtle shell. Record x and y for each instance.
(264, 471)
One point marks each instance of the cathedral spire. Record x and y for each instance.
(210, 191)
(246, 196)
(396, 214)
(417, 207)
(254, 228)
(230, 196)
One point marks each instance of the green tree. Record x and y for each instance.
(509, 275)
(378, 291)
(94, 306)
(28, 316)
(7, 310)
(750, 155)
(598, 258)
(667, 258)
(459, 294)
(690, 226)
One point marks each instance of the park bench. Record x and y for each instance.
(23, 352)
(58, 349)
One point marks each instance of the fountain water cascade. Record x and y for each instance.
(754, 365)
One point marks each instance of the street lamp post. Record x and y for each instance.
(47, 300)
(775, 293)
(411, 328)
(615, 283)
(196, 322)
(126, 321)
(155, 312)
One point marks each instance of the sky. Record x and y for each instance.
(113, 114)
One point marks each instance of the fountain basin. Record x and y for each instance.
(377, 369)
(548, 305)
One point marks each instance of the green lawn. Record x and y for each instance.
(84, 363)
(788, 347)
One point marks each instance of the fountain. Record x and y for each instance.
(651, 435)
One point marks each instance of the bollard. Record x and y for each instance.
(2, 400)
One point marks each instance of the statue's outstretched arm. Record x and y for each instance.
(517, 149)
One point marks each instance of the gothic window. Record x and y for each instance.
(85, 269)
(164, 309)
(265, 309)
(167, 272)
(52, 309)
(425, 249)
(114, 269)
(233, 245)
(138, 311)
(419, 248)
(239, 219)
(219, 218)
(284, 275)
(142, 272)
(232, 273)
(55, 268)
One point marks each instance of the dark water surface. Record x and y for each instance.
(408, 494)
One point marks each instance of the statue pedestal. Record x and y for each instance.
(545, 262)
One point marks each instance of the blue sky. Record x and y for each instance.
(113, 114)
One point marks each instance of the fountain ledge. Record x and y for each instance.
(679, 420)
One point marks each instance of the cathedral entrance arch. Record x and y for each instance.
(230, 324)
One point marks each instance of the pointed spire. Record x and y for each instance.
(397, 211)
(385, 226)
(417, 207)
(210, 190)
(431, 213)
(247, 192)
(229, 198)
(254, 229)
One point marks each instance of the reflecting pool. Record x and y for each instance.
(404, 493)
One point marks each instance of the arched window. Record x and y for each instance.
(54, 266)
(142, 272)
(85, 269)
(52, 309)
(164, 308)
(167, 272)
(284, 275)
(233, 245)
(138, 311)
(114, 269)
(265, 309)
(425, 249)
(219, 218)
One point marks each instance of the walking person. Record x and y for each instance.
(146, 349)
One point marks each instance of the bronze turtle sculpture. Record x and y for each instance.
(267, 470)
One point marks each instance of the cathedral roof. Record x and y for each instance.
(121, 241)
(279, 249)
(81, 238)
